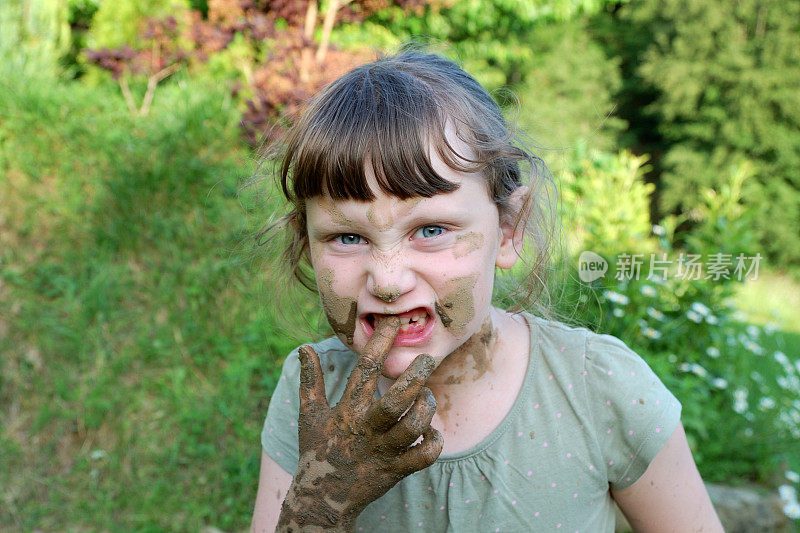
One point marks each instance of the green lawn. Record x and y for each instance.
(772, 298)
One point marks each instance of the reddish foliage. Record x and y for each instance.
(288, 76)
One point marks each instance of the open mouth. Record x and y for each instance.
(415, 325)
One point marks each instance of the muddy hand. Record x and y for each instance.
(353, 453)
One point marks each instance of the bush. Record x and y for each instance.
(738, 389)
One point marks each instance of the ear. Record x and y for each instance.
(512, 228)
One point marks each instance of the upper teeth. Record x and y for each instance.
(415, 317)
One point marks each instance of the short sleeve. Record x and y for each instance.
(633, 412)
(279, 436)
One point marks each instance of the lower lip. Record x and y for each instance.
(414, 338)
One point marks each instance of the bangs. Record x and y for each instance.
(374, 116)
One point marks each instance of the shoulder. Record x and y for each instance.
(330, 351)
(598, 351)
(551, 336)
(336, 361)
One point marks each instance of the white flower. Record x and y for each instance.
(699, 370)
(720, 383)
(792, 510)
(616, 297)
(697, 307)
(98, 454)
(648, 290)
(740, 401)
(684, 367)
(711, 319)
(792, 476)
(694, 317)
(753, 331)
(783, 382)
(712, 352)
(748, 432)
(739, 316)
(617, 312)
(766, 403)
(659, 230)
(787, 493)
(651, 333)
(655, 313)
(770, 327)
(781, 358)
(754, 347)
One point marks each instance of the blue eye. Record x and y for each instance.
(348, 238)
(427, 232)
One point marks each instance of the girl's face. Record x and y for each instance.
(428, 260)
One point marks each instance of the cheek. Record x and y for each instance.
(456, 304)
(465, 295)
(341, 311)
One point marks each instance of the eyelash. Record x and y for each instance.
(418, 233)
(340, 237)
(423, 228)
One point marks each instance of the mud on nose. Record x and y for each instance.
(388, 294)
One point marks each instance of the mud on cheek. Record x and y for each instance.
(457, 307)
(340, 312)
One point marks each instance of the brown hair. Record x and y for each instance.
(389, 113)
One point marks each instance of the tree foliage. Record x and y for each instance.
(492, 37)
(718, 82)
(33, 35)
(567, 98)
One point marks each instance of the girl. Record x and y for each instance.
(431, 409)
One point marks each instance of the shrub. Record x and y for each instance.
(738, 390)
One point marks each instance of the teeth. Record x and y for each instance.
(404, 321)
(418, 323)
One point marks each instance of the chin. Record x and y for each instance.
(398, 360)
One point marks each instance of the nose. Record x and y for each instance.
(389, 277)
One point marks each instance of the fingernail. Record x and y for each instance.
(302, 354)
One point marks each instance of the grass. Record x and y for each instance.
(773, 297)
(138, 350)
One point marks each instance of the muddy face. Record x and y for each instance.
(330, 207)
(340, 312)
(457, 307)
(467, 243)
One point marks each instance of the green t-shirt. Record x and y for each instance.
(590, 415)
